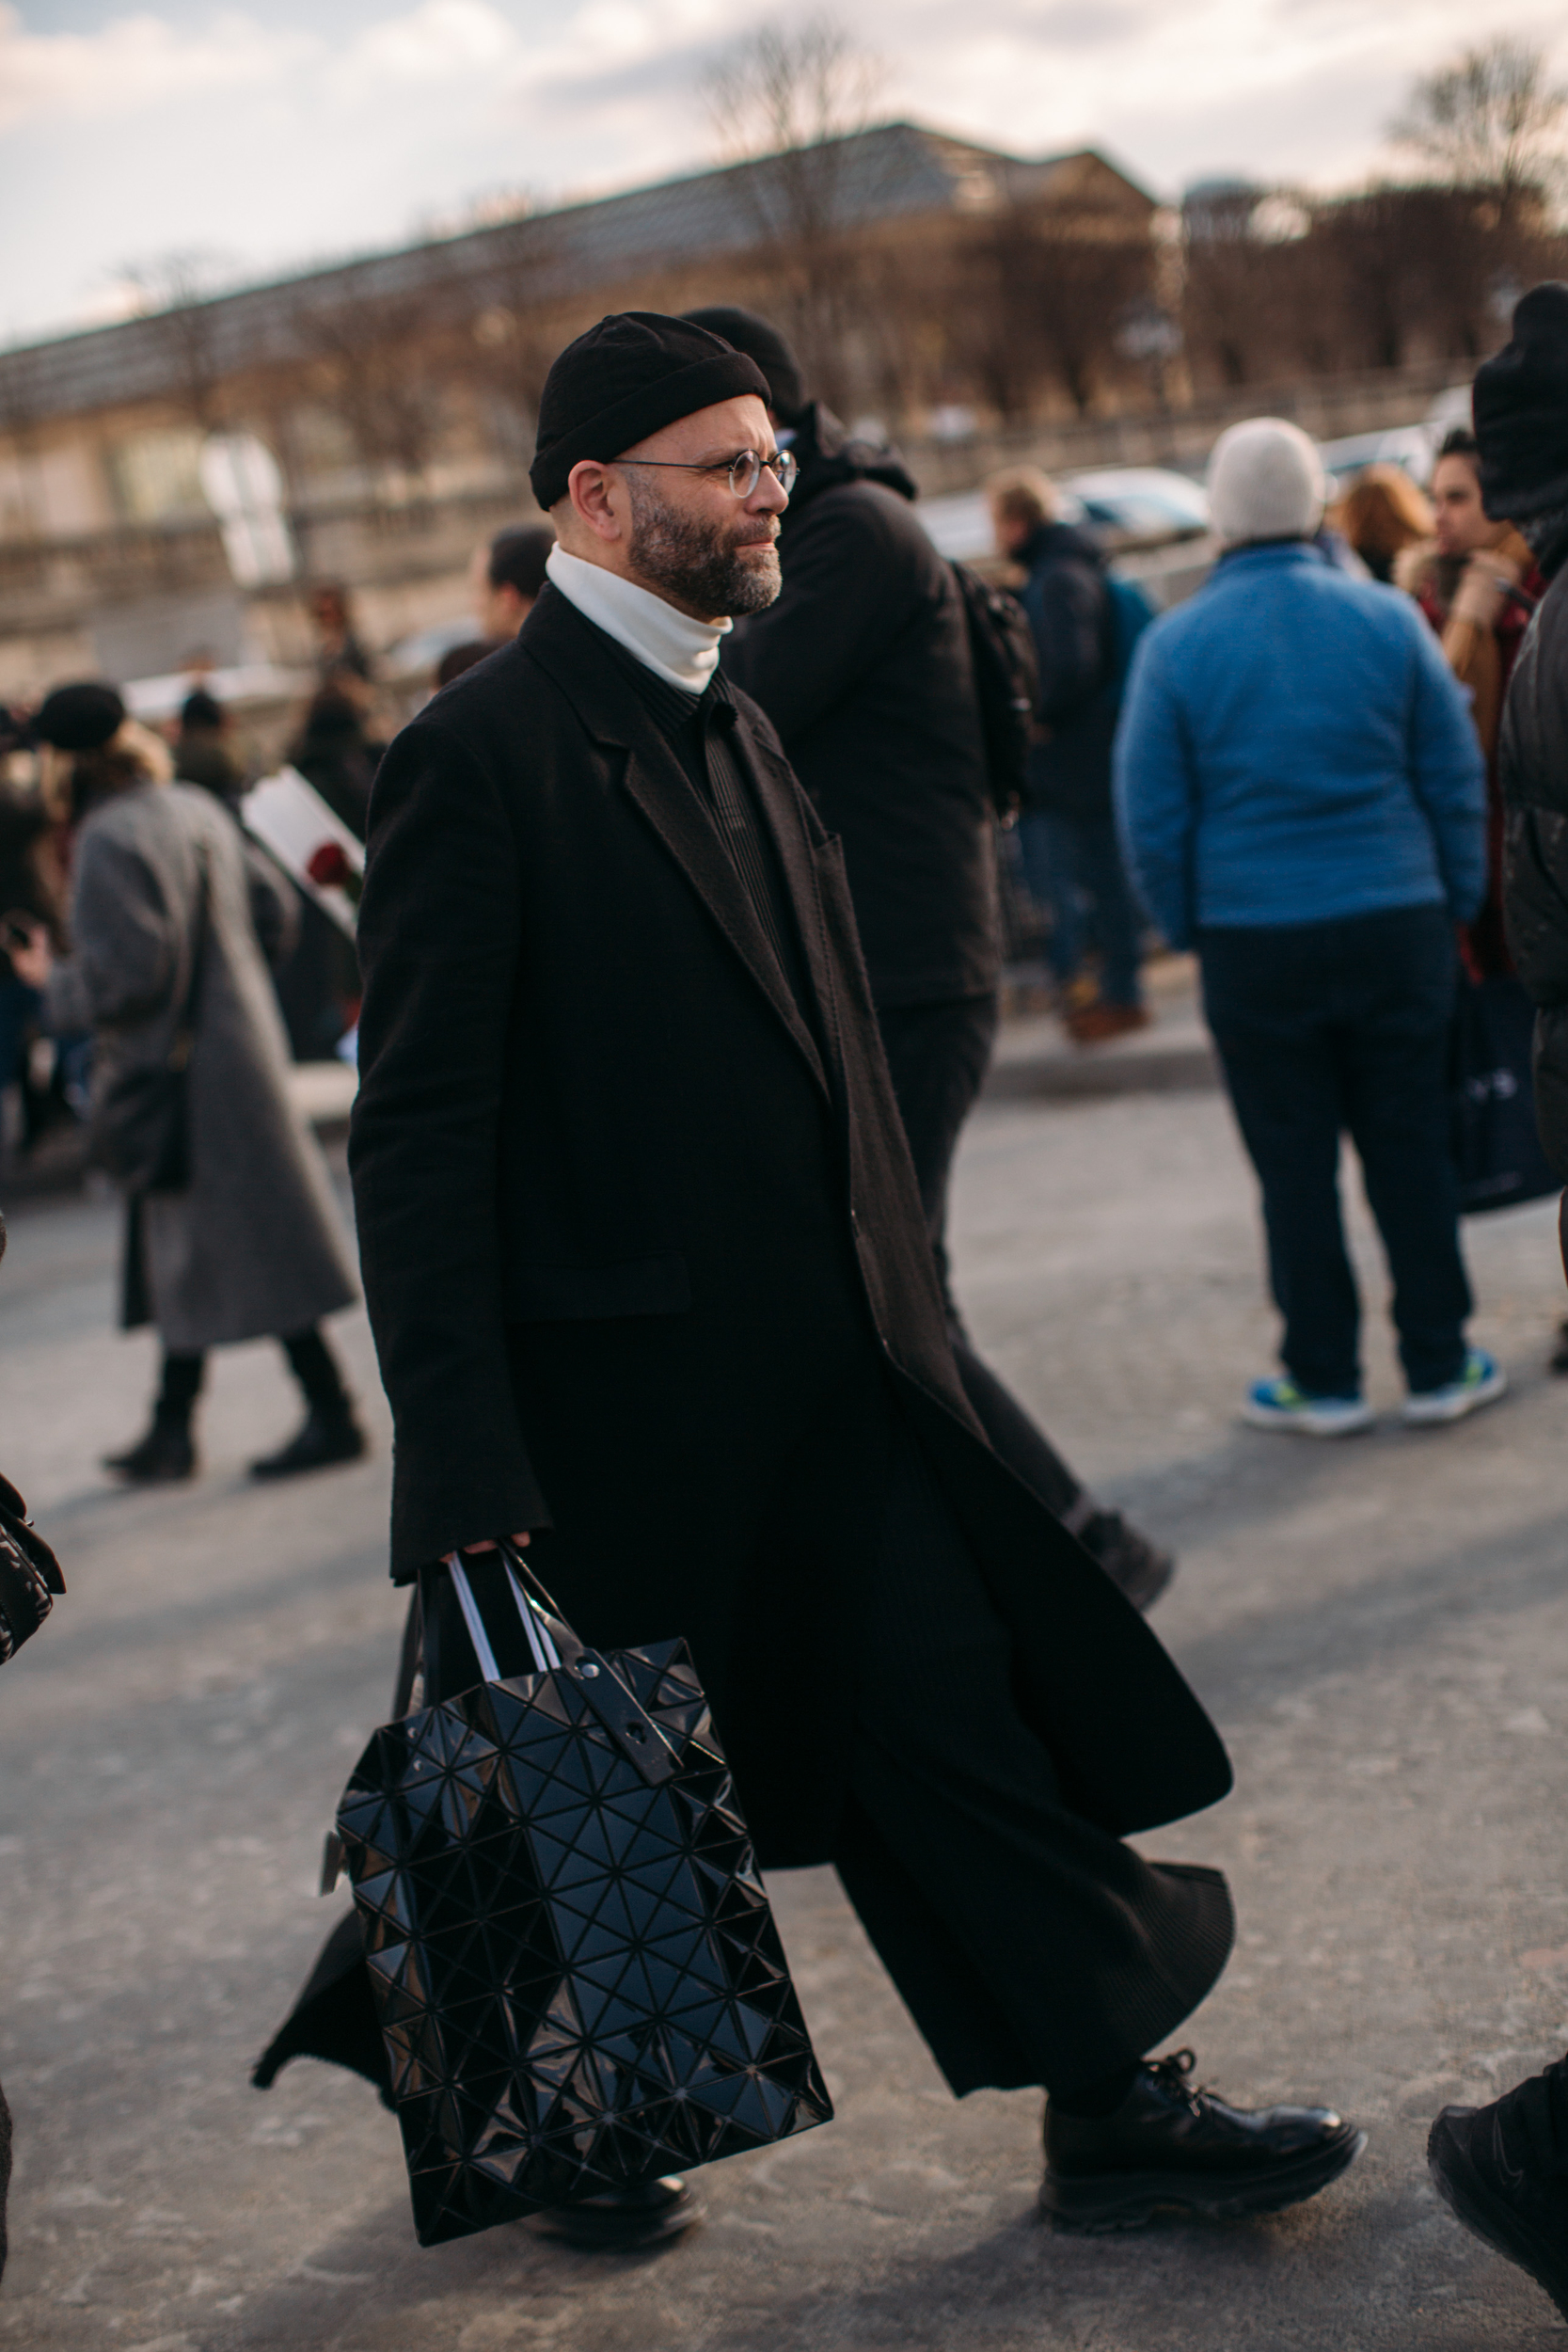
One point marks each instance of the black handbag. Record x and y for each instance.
(29, 1574)
(1496, 1141)
(141, 1123)
(577, 1977)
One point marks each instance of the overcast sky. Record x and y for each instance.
(307, 129)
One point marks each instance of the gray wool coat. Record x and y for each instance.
(254, 1247)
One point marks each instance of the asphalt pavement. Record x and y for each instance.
(1380, 1627)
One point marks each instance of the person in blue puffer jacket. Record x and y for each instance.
(1302, 798)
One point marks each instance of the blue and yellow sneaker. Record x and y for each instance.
(1481, 1382)
(1280, 1405)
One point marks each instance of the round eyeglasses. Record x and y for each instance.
(744, 472)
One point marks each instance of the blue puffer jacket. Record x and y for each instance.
(1293, 748)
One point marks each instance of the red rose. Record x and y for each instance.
(328, 868)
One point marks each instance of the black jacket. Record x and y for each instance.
(1069, 610)
(631, 1219)
(1532, 765)
(863, 667)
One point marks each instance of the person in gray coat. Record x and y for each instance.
(251, 1246)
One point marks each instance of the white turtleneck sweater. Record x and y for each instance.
(676, 648)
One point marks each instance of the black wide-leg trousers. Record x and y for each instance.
(1030, 1945)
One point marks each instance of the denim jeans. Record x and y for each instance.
(1066, 862)
(1337, 1027)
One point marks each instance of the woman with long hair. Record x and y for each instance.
(1382, 514)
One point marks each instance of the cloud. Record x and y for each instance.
(133, 63)
(315, 127)
(441, 40)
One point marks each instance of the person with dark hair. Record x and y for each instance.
(1478, 586)
(203, 748)
(1068, 826)
(652, 1289)
(864, 666)
(247, 1243)
(505, 578)
(338, 645)
(1502, 2169)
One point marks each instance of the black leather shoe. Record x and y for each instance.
(321, 1440)
(623, 2218)
(164, 1456)
(1138, 1567)
(1168, 2144)
(1500, 2171)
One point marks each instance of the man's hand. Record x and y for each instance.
(33, 963)
(489, 1543)
(1479, 597)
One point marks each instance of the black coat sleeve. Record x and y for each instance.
(1533, 766)
(439, 945)
(1065, 602)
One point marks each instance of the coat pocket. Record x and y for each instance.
(592, 1293)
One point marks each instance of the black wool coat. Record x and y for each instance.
(1532, 765)
(863, 667)
(631, 1221)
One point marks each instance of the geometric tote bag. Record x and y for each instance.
(577, 1977)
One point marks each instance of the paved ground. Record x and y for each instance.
(1382, 1629)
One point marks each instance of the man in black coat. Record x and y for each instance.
(863, 664)
(1068, 827)
(1501, 2168)
(651, 1288)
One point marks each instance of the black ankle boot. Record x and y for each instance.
(322, 1439)
(621, 2219)
(1502, 2170)
(1170, 2145)
(164, 1456)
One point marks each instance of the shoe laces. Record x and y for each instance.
(1171, 2072)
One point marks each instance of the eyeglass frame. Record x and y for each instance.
(782, 459)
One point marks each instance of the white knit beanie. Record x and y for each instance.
(1266, 481)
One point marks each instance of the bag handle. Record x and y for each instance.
(537, 1627)
(643, 1742)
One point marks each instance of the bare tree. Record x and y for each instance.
(779, 92)
(176, 292)
(1490, 120)
(788, 103)
(510, 339)
(377, 360)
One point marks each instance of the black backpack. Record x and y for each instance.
(1006, 683)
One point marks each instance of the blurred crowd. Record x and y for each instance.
(871, 665)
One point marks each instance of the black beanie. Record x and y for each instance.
(80, 717)
(766, 346)
(633, 373)
(1521, 411)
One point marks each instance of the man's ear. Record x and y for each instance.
(590, 488)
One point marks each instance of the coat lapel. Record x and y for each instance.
(573, 651)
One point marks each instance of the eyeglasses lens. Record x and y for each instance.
(746, 473)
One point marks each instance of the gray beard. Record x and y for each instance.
(672, 552)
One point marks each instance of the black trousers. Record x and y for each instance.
(1029, 1945)
(937, 1056)
(1329, 1028)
